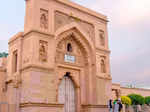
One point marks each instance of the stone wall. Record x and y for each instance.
(144, 92)
(3, 62)
(124, 91)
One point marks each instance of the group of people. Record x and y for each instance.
(115, 106)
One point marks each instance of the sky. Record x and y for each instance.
(128, 28)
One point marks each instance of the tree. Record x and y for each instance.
(126, 100)
(4, 54)
(137, 99)
(147, 100)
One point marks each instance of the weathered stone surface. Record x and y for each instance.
(60, 39)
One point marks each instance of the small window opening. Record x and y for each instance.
(69, 47)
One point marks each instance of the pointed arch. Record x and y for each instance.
(67, 94)
(76, 84)
(84, 42)
(80, 36)
(74, 25)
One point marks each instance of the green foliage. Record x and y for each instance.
(137, 99)
(126, 100)
(4, 54)
(114, 101)
(147, 100)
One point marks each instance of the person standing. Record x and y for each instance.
(139, 109)
(110, 106)
(120, 106)
(116, 106)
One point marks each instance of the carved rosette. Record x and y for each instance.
(44, 19)
(43, 49)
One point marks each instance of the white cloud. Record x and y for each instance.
(133, 11)
(123, 12)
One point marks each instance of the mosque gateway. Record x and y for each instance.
(60, 63)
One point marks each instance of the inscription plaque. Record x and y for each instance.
(69, 58)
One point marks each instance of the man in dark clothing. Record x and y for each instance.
(120, 106)
(110, 106)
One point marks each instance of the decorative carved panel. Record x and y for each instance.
(43, 49)
(103, 64)
(75, 57)
(102, 38)
(44, 19)
(63, 19)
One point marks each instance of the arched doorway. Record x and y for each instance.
(73, 54)
(66, 94)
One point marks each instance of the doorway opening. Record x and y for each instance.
(66, 93)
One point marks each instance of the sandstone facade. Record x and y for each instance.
(60, 62)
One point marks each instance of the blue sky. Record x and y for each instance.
(129, 34)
